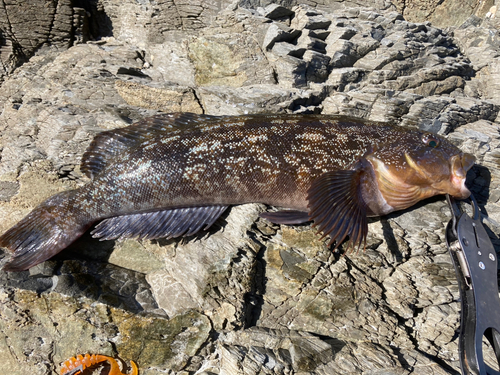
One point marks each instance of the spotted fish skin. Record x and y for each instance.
(173, 174)
(243, 159)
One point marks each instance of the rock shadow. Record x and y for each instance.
(100, 24)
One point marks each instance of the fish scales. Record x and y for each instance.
(232, 164)
(174, 174)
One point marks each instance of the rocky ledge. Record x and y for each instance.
(248, 297)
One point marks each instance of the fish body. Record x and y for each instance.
(175, 174)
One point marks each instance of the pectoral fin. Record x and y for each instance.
(337, 207)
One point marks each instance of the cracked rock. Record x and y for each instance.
(247, 296)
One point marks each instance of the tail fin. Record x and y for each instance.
(47, 230)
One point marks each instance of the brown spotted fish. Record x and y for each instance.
(172, 175)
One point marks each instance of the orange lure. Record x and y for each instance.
(88, 360)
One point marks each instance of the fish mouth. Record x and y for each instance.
(457, 171)
(460, 164)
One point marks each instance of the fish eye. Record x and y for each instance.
(430, 140)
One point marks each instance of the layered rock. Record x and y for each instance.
(248, 296)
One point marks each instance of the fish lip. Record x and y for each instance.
(468, 161)
(461, 191)
(460, 164)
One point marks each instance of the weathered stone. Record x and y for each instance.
(342, 54)
(338, 32)
(278, 32)
(340, 77)
(284, 49)
(446, 86)
(82, 319)
(442, 114)
(8, 190)
(318, 34)
(308, 18)
(291, 72)
(229, 59)
(276, 11)
(29, 28)
(247, 296)
(255, 99)
(376, 104)
(173, 99)
(179, 338)
(305, 43)
(317, 66)
(66, 114)
(483, 47)
(442, 13)
(306, 351)
(377, 59)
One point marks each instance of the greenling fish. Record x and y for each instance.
(172, 175)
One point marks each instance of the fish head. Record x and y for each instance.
(419, 165)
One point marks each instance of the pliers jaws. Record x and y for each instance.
(475, 262)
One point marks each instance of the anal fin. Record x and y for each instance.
(170, 223)
(289, 217)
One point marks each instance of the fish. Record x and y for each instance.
(175, 174)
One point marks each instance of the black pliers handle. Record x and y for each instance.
(475, 262)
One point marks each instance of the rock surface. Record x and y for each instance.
(248, 297)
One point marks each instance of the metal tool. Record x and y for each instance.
(475, 262)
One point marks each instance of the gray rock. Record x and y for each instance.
(446, 113)
(248, 296)
(8, 190)
(318, 33)
(278, 32)
(342, 53)
(254, 99)
(284, 49)
(305, 42)
(229, 59)
(482, 47)
(317, 66)
(276, 11)
(26, 29)
(340, 77)
(291, 72)
(443, 13)
(338, 31)
(175, 98)
(309, 18)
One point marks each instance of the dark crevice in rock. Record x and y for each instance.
(50, 36)
(198, 100)
(100, 24)
(254, 298)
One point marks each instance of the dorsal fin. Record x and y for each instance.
(110, 143)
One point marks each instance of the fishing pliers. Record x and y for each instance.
(475, 262)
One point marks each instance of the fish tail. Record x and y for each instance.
(45, 231)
